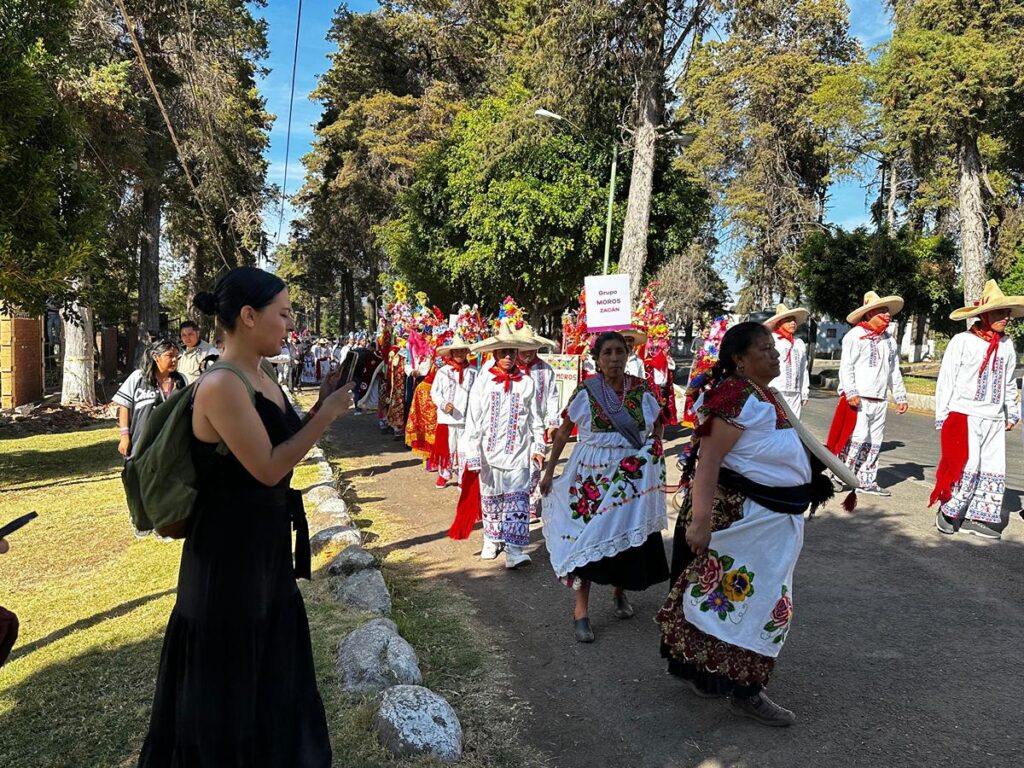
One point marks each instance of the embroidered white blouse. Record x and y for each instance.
(870, 366)
(763, 453)
(543, 376)
(793, 377)
(447, 389)
(503, 428)
(964, 388)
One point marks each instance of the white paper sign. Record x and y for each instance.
(608, 304)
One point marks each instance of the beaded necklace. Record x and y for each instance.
(616, 402)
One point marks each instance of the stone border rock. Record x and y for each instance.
(411, 720)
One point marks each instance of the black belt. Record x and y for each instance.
(789, 500)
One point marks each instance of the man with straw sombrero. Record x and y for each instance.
(548, 403)
(635, 338)
(975, 404)
(503, 441)
(868, 369)
(793, 381)
(450, 393)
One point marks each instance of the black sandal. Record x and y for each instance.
(581, 629)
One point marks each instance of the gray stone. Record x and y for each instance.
(318, 494)
(333, 507)
(374, 657)
(336, 537)
(413, 720)
(366, 591)
(350, 561)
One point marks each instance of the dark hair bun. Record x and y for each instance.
(205, 302)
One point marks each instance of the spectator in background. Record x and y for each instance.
(154, 381)
(8, 621)
(196, 351)
(282, 363)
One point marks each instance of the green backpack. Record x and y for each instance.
(160, 480)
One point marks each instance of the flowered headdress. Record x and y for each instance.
(650, 317)
(575, 338)
(510, 311)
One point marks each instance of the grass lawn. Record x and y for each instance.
(93, 601)
(919, 385)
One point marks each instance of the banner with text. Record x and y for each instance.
(608, 304)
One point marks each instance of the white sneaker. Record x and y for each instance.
(490, 550)
(516, 558)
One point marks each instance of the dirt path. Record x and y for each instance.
(905, 651)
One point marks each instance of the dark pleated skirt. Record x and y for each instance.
(635, 569)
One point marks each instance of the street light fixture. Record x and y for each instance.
(546, 114)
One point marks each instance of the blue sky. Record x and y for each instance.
(848, 206)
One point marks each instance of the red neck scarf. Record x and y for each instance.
(460, 367)
(982, 331)
(784, 334)
(871, 332)
(506, 377)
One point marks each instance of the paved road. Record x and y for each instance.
(905, 650)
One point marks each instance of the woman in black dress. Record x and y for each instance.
(236, 686)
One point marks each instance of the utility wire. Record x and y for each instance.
(288, 134)
(130, 26)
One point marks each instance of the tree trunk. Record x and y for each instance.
(316, 315)
(193, 277)
(350, 294)
(919, 338)
(890, 208)
(972, 219)
(149, 264)
(342, 309)
(633, 256)
(79, 382)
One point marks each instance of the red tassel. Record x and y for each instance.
(850, 502)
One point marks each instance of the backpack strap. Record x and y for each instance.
(225, 365)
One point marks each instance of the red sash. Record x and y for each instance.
(467, 513)
(953, 459)
(843, 422)
(440, 455)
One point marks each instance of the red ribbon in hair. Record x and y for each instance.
(506, 377)
(953, 459)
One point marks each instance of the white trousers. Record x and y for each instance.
(454, 437)
(979, 493)
(861, 452)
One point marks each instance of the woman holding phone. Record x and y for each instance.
(236, 684)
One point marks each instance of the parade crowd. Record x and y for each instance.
(492, 417)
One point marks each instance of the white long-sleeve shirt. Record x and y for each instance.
(503, 429)
(963, 388)
(870, 366)
(793, 377)
(447, 389)
(543, 376)
(635, 366)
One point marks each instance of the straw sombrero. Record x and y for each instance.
(638, 334)
(508, 337)
(458, 342)
(992, 298)
(873, 301)
(782, 311)
(541, 341)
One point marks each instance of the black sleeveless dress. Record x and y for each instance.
(236, 686)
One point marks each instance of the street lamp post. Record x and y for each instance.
(545, 114)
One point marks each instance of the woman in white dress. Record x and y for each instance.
(604, 516)
(739, 532)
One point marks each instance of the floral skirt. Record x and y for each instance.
(730, 609)
(608, 500)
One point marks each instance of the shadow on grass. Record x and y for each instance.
(33, 466)
(91, 710)
(91, 621)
